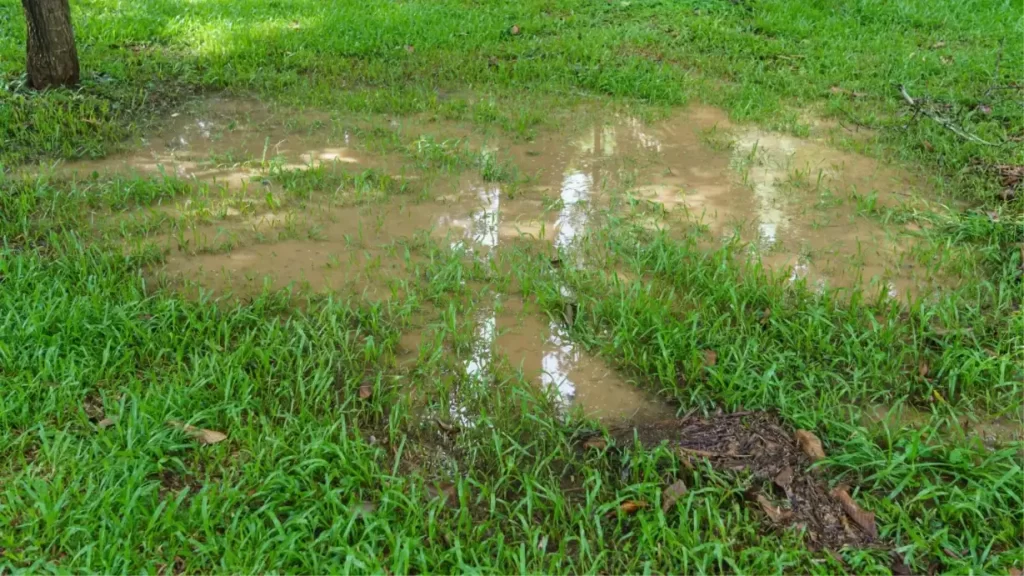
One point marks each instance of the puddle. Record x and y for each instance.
(550, 359)
(798, 203)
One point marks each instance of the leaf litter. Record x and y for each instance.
(757, 443)
(203, 435)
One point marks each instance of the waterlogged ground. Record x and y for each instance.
(290, 198)
(588, 342)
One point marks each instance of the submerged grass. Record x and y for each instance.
(343, 454)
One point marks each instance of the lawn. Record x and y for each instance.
(158, 419)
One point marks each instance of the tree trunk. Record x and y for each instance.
(52, 58)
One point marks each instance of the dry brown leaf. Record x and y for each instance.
(203, 435)
(365, 391)
(922, 370)
(863, 518)
(671, 494)
(810, 445)
(710, 358)
(514, 30)
(775, 513)
(784, 479)
(595, 443)
(446, 491)
(106, 423)
(1014, 571)
(927, 145)
(631, 506)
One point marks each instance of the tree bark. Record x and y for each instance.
(52, 59)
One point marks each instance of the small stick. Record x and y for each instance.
(944, 122)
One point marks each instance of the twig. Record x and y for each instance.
(944, 122)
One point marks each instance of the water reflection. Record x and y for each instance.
(765, 170)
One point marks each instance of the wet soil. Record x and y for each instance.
(991, 431)
(803, 207)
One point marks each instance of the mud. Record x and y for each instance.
(538, 345)
(991, 431)
(802, 207)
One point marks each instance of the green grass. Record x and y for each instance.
(314, 477)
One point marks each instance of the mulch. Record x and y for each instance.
(759, 444)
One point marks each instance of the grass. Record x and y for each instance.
(346, 450)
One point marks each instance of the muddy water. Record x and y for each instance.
(798, 203)
(540, 347)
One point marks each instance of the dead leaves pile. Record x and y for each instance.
(755, 442)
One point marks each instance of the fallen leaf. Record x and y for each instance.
(93, 407)
(595, 443)
(927, 145)
(810, 445)
(514, 30)
(203, 435)
(774, 513)
(922, 370)
(1014, 571)
(710, 358)
(446, 491)
(631, 506)
(939, 44)
(899, 565)
(784, 479)
(671, 494)
(863, 518)
(365, 391)
(106, 423)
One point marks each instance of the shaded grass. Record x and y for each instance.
(762, 60)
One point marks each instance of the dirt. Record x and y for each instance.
(790, 494)
(992, 431)
(799, 204)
